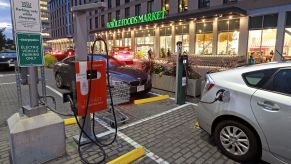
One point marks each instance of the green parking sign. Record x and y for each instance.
(29, 49)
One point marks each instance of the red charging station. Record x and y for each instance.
(98, 98)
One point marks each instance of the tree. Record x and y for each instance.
(2, 38)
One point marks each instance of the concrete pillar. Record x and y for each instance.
(193, 5)
(173, 46)
(215, 37)
(133, 46)
(122, 38)
(157, 43)
(157, 5)
(216, 3)
(143, 8)
(191, 37)
(114, 38)
(243, 36)
(106, 36)
(173, 6)
(280, 36)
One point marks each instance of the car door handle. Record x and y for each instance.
(268, 105)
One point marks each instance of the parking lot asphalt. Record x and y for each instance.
(164, 129)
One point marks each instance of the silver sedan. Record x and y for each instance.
(248, 112)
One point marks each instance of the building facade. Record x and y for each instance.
(45, 20)
(61, 24)
(208, 29)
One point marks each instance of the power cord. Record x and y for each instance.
(110, 94)
(55, 106)
(218, 97)
(96, 141)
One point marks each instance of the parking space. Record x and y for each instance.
(166, 131)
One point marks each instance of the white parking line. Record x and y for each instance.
(134, 144)
(4, 75)
(139, 121)
(54, 90)
(128, 139)
(7, 83)
(153, 117)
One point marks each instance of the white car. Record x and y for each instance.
(248, 112)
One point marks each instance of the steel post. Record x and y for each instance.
(180, 87)
(80, 38)
(33, 90)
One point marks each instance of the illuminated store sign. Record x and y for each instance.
(153, 16)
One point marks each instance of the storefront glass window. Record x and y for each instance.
(228, 37)
(118, 39)
(165, 40)
(287, 40)
(144, 41)
(262, 38)
(127, 39)
(110, 41)
(99, 46)
(204, 38)
(183, 5)
(182, 34)
(165, 5)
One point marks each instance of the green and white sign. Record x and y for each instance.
(153, 16)
(29, 49)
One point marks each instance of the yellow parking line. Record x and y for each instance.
(70, 121)
(151, 99)
(129, 157)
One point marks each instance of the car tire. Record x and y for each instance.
(241, 148)
(59, 81)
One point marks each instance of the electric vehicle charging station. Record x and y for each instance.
(181, 75)
(80, 38)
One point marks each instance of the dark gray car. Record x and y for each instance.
(138, 81)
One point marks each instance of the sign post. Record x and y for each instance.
(27, 134)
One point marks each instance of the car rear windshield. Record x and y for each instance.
(257, 79)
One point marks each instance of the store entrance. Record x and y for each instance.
(144, 48)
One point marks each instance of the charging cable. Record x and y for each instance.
(54, 109)
(95, 140)
(218, 97)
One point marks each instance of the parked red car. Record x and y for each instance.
(123, 54)
(60, 55)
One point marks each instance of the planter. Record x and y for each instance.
(168, 83)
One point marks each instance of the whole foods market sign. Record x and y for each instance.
(153, 16)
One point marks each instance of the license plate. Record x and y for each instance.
(140, 88)
(11, 64)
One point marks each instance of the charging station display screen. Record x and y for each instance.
(97, 90)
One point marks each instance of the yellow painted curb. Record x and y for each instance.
(151, 99)
(129, 157)
(70, 121)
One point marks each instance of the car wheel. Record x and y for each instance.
(59, 81)
(237, 141)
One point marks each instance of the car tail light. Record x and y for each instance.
(209, 83)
